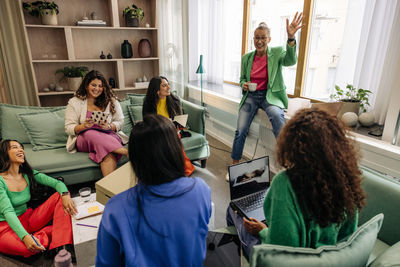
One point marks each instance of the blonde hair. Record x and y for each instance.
(263, 26)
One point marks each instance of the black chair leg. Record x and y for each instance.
(203, 163)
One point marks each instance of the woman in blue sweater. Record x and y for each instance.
(162, 221)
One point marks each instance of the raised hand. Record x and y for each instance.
(295, 25)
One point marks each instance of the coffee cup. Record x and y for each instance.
(252, 87)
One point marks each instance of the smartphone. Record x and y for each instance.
(98, 117)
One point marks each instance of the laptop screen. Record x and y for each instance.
(249, 177)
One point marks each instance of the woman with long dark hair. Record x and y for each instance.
(316, 200)
(104, 141)
(164, 217)
(159, 100)
(23, 230)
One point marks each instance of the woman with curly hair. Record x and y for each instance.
(103, 139)
(316, 200)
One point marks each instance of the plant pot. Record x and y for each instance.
(74, 83)
(131, 22)
(349, 107)
(49, 18)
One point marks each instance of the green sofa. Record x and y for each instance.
(41, 131)
(383, 196)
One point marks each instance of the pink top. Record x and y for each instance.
(259, 72)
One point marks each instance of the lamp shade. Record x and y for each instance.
(201, 69)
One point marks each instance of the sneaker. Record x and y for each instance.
(227, 177)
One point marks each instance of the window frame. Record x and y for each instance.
(308, 7)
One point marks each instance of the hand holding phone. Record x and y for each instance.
(98, 117)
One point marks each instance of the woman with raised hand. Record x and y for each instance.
(315, 201)
(164, 217)
(159, 100)
(24, 231)
(101, 137)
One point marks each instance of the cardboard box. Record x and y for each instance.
(116, 182)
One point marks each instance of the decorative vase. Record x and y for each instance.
(367, 119)
(144, 48)
(74, 83)
(102, 56)
(111, 82)
(131, 22)
(350, 119)
(49, 18)
(126, 49)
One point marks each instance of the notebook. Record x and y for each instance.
(248, 184)
(223, 249)
(181, 120)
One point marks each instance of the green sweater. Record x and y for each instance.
(13, 204)
(286, 222)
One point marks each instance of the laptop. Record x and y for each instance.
(223, 249)
(248, 183)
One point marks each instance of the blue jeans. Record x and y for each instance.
(253, 102)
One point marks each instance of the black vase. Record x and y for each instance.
(111, 82)
(126, 49)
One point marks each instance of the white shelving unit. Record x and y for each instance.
(54, 47)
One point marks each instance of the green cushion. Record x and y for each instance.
(136, 112)
(136, 99)
(128, 123)
(10, 125)
(391, 257)
(195, 141)
(45, 129)
(354, 251)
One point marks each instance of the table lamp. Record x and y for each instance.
(201, 70)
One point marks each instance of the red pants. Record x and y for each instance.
(34, 221)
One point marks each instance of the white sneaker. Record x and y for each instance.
(227, 177)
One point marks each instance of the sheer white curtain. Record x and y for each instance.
(170, 14)
(206, 38)
(374, 62)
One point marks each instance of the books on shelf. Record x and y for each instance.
(91, 22)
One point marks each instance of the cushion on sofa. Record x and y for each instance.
(354, 251)
(391, 257)
(136, 99)
(10, 125)
(45, 129)
(128, 124)
(135, 112)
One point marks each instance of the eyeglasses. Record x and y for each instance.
(261, 38)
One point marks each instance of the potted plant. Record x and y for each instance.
(132, 15)
(74, 76)
(353, 99)
(46, 10)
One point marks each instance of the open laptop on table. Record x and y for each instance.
(248, 184)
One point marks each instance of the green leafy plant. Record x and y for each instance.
(352, 94)
(133, 12)
(73, 72)
(37, 8)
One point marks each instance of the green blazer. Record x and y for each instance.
(276, 89)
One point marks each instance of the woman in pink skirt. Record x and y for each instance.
(93, 121)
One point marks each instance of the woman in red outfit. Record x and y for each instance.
(23, 231)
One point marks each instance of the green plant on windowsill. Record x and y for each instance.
(352, 94)
(37, 8)
(73, 72)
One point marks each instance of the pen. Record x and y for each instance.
(35, 241)
(87, 225)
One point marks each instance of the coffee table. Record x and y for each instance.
(85, 238)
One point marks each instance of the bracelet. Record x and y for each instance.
(291, 40)
(64, 193)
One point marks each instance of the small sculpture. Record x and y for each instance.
(46, 89)
(350, 119)
(147, 25)
(102, 56)
(59, 88)
(111, 82)
(93, 15)
(52, 86)
(366, 119)
(109, 56)
(144, 79)
(139, 80)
